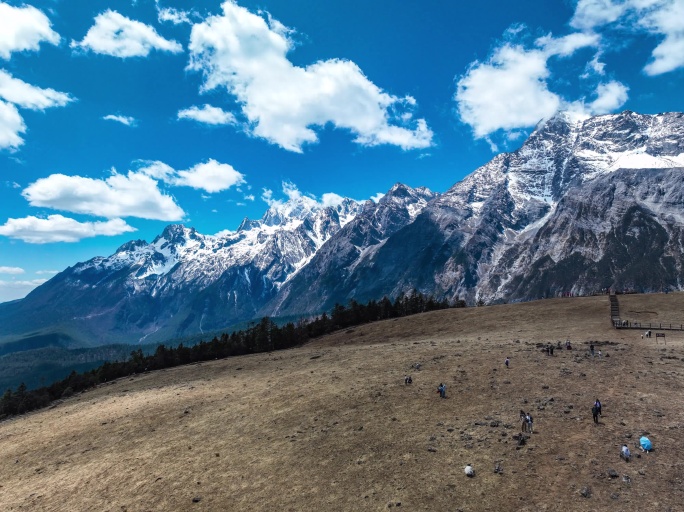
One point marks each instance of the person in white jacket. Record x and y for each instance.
(469, 471)
(624, 453)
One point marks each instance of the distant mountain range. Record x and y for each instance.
(584, 204)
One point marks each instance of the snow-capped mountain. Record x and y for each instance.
(184, 282)
(331, 275)
(485, 237)
(583, 205)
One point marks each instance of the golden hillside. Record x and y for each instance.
(331, 425)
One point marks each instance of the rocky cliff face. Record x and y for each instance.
(584, 204)
(481, 239)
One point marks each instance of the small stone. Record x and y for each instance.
(586, 491)
(432, 449)
(614, 496)
(642, 472)
(196, 499)
(612, 473)
(626, 479)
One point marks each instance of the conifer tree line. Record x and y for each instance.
(264, 336)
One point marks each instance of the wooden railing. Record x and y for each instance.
(618, 323)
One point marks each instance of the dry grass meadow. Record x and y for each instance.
(331, 425)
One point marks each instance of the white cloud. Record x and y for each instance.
(666, 18)
(376, 198)
(210, 176)
(663, 18)
(12, 270)
(511, 90)
(595, 67)
(590, 14)
(13, 290)
(17, 93)
(118, 36)
(56, 228)
(249, 197)
(47, 272)
(508, 91)
(175, 16)
(11, 126)
(23, 28)
(29, 96)
(267, 196)
(208, 115)
(247, 55)
(610, 97)
(566, 45)
(131, 195)
(294, 195)
(126, 120)
(331, 199)
(156, 169)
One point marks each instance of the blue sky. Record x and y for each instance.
(120, 117)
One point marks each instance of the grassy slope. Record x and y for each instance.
(330, 426)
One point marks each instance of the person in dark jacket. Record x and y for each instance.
(595, 414)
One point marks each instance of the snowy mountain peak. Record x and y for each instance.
(248, 224)
(131, 246)
(403, 193)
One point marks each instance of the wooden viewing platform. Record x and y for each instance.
(619, 323)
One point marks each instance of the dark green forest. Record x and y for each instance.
(263, 336)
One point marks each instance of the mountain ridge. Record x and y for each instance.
(552, 217)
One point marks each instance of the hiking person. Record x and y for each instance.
(551, 349)
(597, 404)
(595, 414)
(600, 355)
(469, 471)
(624, 453)
(409, 380)
(645, 444)
(507, 362)
(441, 389)
(523, 421)
(591, 349)
(529, 421)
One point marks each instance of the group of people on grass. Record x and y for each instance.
(527, 422)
